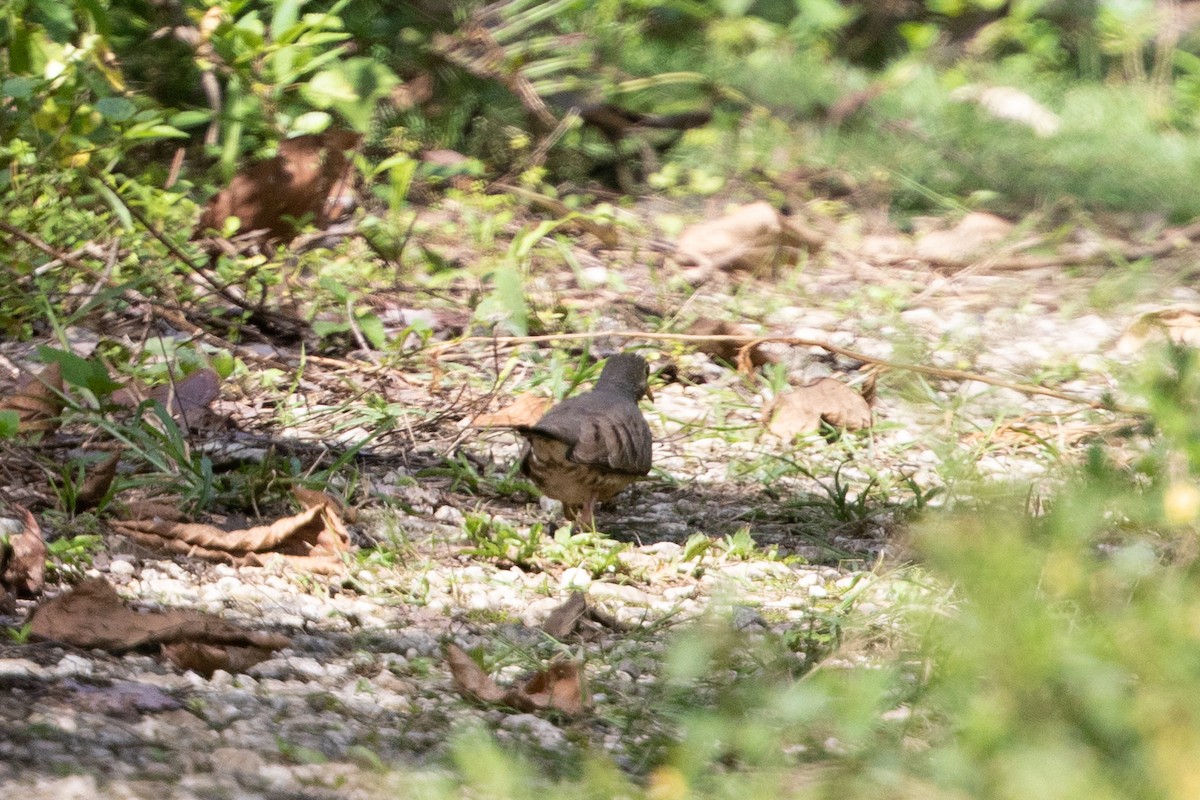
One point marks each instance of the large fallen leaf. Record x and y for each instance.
(527, 409)
(1179, 324)
(205, 659)
(92, 615)
(38, 401)
(185, 399)
(824, 400)
(973, 236)
(728, 350)
(96, 482)
(559, 687)
(23, 561)
(756, 237)
(577, 618)
(312, 540)
(564, 620)
(469, 677)
(303, 181)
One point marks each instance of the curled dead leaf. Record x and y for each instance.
(756, 237)
(526, 409)
(564, 620)
(728, 350)
(559, 687)
(469, 677)
(23, 561)
(38, 401)
(92, 615)
(1178, 324)
(97, 482)
(824, 400)
(312, 540)
(205, 659)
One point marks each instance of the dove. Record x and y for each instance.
(589, 447)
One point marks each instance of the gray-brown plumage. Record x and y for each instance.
(588, 448)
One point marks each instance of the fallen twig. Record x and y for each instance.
(747, 343)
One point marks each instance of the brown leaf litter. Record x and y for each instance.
(755, 237)
(38, 401)
(23, 560)
(96, 482)
(577, 618)
(824, 400)
(93, 616)
(312, 540)
(525, 409)
(1177, 324)
(304, 180)
(726, 349)
(559, 687)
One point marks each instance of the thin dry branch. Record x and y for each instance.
(748, 343)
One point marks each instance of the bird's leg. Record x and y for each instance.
(586, 516)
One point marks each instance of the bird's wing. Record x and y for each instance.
(600, 432)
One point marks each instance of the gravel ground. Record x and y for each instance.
(362, 704)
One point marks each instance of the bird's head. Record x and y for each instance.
(626, 373)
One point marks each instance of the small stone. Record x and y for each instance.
(121, 568)
(449, 514)
(575, 578)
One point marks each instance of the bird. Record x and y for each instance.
(588, 448)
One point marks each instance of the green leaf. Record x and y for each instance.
(19, 53)
(154, 131)
(372, 328)
(323, 328)
(57, 17)
(99, 16)
(510, 291)
(524, 241)
(19, 88)
(285, 16)
(114, 202)
(9, 422)
(188, 119)
(116, 109)
(328, 87)
(335, 288)
(311, 122)
(86, 373)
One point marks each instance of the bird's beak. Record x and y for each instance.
(649, 394)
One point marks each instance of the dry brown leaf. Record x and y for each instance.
(23, 562)
(526, 409)
(973, 236)
(564, 620)
(205, 659)
(38, 401)
(825, 400)
(1179, 324)
(190, 395)
(312, 540)
(559, 687)
(92, 615)
(469, 677)
(725, 349)
(97, 482)
(303, 181)
(753, 237)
